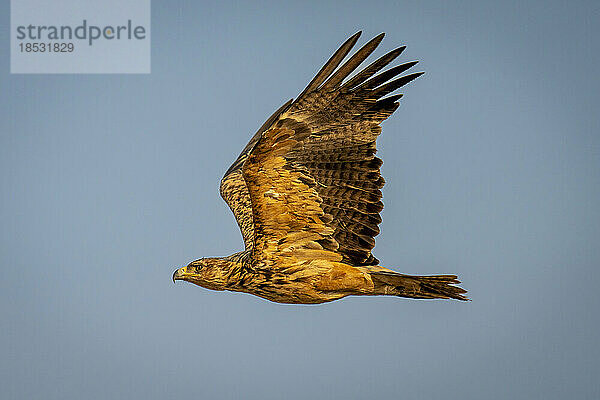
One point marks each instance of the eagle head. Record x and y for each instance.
(205, 272)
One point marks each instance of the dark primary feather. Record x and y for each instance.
(331, 64)
(326, 139)
(352, 63)
(373, 68)
(387, 75)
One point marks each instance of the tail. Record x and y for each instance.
(417, 287)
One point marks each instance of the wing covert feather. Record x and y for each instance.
(288, 218)
(233, 188)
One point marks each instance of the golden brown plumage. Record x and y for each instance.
(306, 194)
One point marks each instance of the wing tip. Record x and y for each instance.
(352, 39)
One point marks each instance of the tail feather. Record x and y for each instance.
(418, 287)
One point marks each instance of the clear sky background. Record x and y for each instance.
(109, 182)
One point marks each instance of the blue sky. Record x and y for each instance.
(492, 162)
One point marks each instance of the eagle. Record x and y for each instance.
(306, 194)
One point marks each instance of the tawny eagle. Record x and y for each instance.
(306, 193)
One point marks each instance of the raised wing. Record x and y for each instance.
(312, 177)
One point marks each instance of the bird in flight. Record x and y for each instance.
(306, 194)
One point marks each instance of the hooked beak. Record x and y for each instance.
(177, 275)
